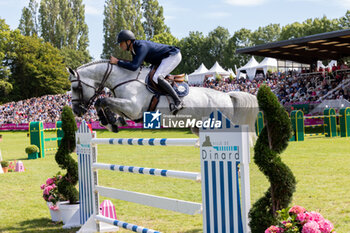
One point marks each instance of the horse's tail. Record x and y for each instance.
(246, 109)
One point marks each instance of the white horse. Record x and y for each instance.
(132, 98)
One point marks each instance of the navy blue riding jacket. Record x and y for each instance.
(148, 51)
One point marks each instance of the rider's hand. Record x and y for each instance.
(113, 60)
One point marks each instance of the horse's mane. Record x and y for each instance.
(100, 61)
(93, 63)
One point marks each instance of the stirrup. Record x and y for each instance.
(175, 108)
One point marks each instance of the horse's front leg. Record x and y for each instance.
(122, 107)
(107, 117)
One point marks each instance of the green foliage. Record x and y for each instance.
(36, 67)
(267, 34)
(31, 149)
(62, 23)
(74, 58)
(66, 186)
(165, 38)
(28, 24)
(4, 163)
(119, 15)
(153, 19)
(192, 50)
(311, 26)
(272, 141)
(215, 46)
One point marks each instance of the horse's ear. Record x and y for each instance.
(71, 71)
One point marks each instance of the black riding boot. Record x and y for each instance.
(168, 88)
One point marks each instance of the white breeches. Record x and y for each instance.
(167, 65)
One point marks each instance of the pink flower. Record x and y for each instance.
(326, 226)
(49, 181)
(42, 186)
(297, 210)
(317, 217)
(47, 190)
(51, 198)
(311, 227)
(54, 207)
(273, 229)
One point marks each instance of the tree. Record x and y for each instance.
(267, 34)
(5, 86)
(193, 51)
(310, 27)
(37, 67)
(240, 39)
(28, 24)
(215, 45)
(165, 38)
(153, 19)
(120, 15)
(74, 58)
(62, 23)
(345, 20)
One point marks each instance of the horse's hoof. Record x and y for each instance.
(110, 116)
(122, 121)
(115, 129)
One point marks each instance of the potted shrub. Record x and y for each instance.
(5, 166)
(67, 185)
(32, 151)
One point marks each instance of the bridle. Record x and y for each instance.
(99, 89)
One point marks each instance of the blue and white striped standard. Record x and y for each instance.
(148, 171)
(146, 141)
(225, 199)
(124, 225)
(84, 152)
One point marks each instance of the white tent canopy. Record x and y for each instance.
(252, 66)
(197, 77)
(231, 72)
(217, 69)
(249, 68)
(268, 64)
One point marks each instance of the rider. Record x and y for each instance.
(165, 56)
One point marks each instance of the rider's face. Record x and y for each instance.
(123, 45)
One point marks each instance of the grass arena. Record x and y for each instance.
(319, 164)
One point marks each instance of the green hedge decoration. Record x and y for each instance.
(272, 141)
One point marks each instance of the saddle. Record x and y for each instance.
(176, 81)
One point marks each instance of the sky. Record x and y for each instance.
(184, 16)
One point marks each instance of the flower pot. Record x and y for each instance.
(67, 211)
(34, 155)
(55, 214)
(5, 169)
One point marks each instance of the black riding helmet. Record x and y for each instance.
(125, 35)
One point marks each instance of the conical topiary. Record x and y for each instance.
(272, 141)
(66, 186)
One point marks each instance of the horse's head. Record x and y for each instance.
(83, 92)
